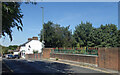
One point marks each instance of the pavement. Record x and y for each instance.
(47, 66)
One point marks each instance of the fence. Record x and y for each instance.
(86, 51)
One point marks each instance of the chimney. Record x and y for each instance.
(29, 39)
(35, 38)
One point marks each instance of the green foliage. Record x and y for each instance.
(4, 50)
(84, 36)
(105, 36)
(82, 32)
(13, 47)
(57, 59)
(35, 51)
(56, 36)
(11, 17)
(118, 38)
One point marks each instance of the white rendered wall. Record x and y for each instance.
(35, 45)
(16, 53)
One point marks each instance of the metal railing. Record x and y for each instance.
(86, 51)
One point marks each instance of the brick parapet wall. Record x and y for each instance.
(33, 56)
(76, 57)
(109, 58)
(46, 52)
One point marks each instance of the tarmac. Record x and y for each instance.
(80, 64)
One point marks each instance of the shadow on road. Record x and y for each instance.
(60, 67)
(43, 67)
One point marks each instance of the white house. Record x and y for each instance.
(33, 44)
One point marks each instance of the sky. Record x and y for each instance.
(63, 13)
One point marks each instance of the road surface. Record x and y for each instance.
(26, 66)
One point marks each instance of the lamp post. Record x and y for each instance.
(43, 24)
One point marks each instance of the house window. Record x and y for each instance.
(29, 46)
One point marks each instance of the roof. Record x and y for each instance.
(25, 43)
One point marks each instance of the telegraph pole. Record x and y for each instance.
(43, 24)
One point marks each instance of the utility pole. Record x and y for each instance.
(43, 24)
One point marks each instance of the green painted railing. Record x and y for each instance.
(85, 51)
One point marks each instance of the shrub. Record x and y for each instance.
(57, 59)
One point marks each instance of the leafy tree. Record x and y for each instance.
(48, 34)
(109, 35)
(13, 47)
(56, 36)
(118, 38)
(81, 33)
(104, 36)
(4, 49)
(11, 17)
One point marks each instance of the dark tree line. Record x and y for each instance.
(85, 35)
(56, 36)
(5, 49)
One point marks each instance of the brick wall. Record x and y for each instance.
(46, 52)
(33, 56)
(74, 57)
(119, 59)
(109, 58)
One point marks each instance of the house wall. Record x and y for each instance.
(22, 48)
(35, 45)
(15, 53)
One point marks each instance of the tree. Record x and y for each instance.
(118, 38)
(109, 35)
(104, 36)
(4, 50)
(11, 17)
(56, 36)
(48, 34)
(13, 47)
(95, 38)
(81, 33)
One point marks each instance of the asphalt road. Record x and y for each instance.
(0, 65)
(25, 66)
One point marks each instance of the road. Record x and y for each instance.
(26, 66)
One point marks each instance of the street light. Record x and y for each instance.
(43, 24)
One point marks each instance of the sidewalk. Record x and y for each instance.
(80, 64)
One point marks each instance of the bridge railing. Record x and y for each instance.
(86, 51)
